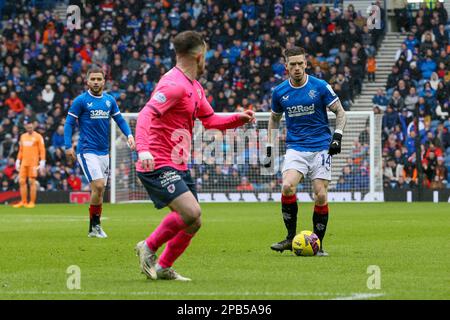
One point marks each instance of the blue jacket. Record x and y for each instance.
(427, 67)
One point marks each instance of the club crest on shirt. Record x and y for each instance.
(160, 97)
(171, 188)
(199, 93)
(108, 103)
(312, 94)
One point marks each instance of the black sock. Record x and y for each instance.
(320, 221)
(90, 225)
(289, 209)
(95, 219)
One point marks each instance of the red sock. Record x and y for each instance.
(175, 248)
(288, 199)
(95, 210)
(321, 209)
(167, 229)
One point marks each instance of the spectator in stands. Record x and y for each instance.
(380, 100)
(401, 14)
(397, 102)
(390, 119)
(427, 66)
(371, 68)
(14, 103)
(48, 95)
(392, 173)
(393, 77)
(411, 100)
(58, 138)
(404, 52)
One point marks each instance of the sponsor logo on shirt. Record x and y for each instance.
(99, 114)
(160, 97)
(300, 110)
(168, 178)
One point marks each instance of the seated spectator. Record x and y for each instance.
(411, 42)
(58, 138)
(403, 52)
(392, 172)
(411, 100)
(380, 100)
(342, 185)
(390, 119)
(427, 67)
(396, 101)
(245, 185)
(14, 103)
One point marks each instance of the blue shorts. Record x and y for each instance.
(165, 184)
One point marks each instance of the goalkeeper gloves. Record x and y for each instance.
(267, 162)
(335, 145)
(17, 165)
(42, 165)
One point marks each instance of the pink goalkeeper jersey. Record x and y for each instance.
(165, 124)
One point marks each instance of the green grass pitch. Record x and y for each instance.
(230, 256)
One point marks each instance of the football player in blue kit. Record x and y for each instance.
(304, 100)
(93, 109)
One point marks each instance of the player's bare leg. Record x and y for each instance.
(177, 229)
(289, 208)
(33, 194)
(320, 215)
(23, 192)
(95, 209)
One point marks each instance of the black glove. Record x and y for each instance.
(335, 145)
(267, 162)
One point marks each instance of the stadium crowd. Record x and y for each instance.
(42, 67)
(418, 88)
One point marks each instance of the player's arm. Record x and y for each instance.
(123, 125)
(71, 120)
(274, 124)
(341, 120)
(163, 98)
(19, 155)
(41, 149)
(210, 120)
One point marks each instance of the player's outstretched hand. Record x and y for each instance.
(70, 156)
(335, 145)
(248, 116)
(131, 143)
(147, 161)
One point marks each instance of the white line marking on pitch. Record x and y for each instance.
(360, 296)
(343, 296)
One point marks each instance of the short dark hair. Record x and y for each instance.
(294, 51)
(187, 42)
(95, 69)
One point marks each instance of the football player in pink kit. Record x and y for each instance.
(163, 137)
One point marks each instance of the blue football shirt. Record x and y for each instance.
(94, 114)
(305, 110)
